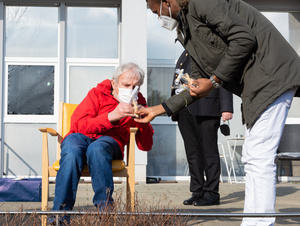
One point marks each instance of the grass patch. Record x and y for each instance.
(145, 214)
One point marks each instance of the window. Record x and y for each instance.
(83, 78)
(31, 31)
(159, 84)
(51, 52)
(92, 32)
(31, 60)
(32, 47)
(162, 54)
(92, 48)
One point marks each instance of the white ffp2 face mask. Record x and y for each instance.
(167, 22)
(127, 95)
(124, 95)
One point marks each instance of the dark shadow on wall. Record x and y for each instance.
(7, 171)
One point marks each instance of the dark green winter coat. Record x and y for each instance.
(234, 41)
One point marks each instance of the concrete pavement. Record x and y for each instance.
(169, 196)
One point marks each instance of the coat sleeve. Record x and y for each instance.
(144, 136)
(226, 100)
(86, 118)
(221, 17)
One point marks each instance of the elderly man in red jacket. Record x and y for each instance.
(99, 131)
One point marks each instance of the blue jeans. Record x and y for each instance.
(77, 150)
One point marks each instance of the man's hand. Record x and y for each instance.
(121, 111)
(200, 87)
(226, 116)
(149, 113)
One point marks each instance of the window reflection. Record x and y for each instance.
(30, 90)
(159, 84)
(84, 78)
(170, 161)
(160, 41)
(92, 32)
(31, 31)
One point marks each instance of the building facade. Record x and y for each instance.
(53, 51)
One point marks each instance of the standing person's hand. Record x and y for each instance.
(200, 87)
(226, 116)
(148, 114)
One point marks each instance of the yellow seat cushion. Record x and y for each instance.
(117, 165)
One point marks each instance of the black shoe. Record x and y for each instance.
(192, 199)
(207, 200)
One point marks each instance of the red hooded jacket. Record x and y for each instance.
(91, 119)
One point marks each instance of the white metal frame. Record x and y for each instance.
(223, 155)
(232, 150)
(1, 85)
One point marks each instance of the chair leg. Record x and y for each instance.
(45, 197)
(130, 194)
(44, 220)
(45, 177)
(130, 189)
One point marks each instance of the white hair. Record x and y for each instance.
(135, 70)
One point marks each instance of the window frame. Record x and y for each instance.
(31, 118)
(162, 64)
(35, 61)
(61, 63)
(91, 62)
(86, 62)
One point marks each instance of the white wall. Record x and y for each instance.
(134, 48)
(1, 73)
(294, 34)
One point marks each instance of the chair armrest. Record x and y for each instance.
(131, 147)
(45, 152)
(133, 129)
(52, 132)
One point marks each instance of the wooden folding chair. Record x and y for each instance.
(119, 167)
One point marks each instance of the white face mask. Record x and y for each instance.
(167, 22)
(124, 95)
(127, 95)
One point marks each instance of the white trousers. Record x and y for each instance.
(258, 156)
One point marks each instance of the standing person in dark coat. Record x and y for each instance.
(233, 45)
(199, 125)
